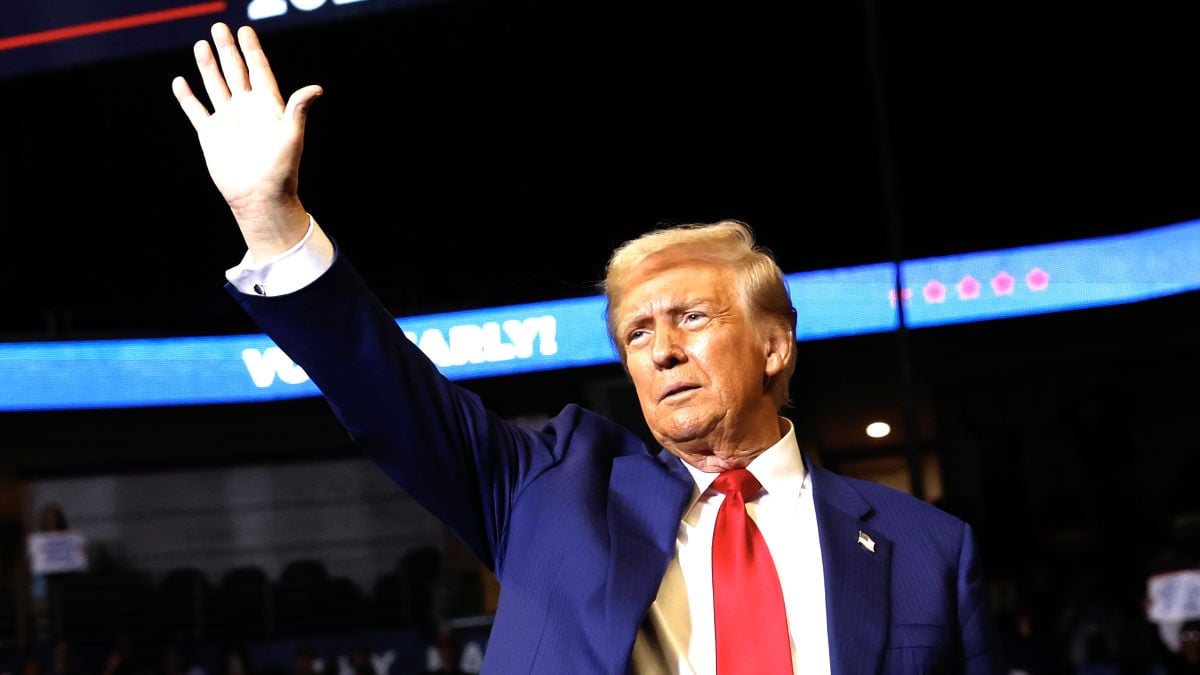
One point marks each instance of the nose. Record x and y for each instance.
(667, 350)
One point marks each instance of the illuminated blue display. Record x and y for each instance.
(570, 333)
(1056, 277)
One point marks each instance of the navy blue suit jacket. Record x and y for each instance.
(578, 520)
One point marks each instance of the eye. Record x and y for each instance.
(635, 336)
(693, 317)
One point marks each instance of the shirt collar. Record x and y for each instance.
(780, 469)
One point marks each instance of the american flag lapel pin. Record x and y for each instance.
(865, 541)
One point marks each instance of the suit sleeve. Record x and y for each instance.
(435, 439)
(979, 639)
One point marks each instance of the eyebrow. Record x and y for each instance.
(627, 324)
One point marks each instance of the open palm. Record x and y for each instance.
(251, 139)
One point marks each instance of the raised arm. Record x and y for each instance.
(252, 140)
(458, 459)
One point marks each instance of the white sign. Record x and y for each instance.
(54, 552)
(1173, 599)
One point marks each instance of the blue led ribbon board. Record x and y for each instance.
(570, 333)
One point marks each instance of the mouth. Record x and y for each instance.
(677, 390)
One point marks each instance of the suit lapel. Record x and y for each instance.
(646, 498)
(857, 581)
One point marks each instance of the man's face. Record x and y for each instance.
(697, 363)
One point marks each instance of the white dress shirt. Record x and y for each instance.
(677, 635)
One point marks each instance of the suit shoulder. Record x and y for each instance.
(896, 505)
(576, 424)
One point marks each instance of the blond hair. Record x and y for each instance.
(726, 243)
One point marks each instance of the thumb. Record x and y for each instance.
(300, 101)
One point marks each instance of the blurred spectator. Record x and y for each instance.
(55, 553)
(1189, 649)
(1186, 661)
(1172, 602)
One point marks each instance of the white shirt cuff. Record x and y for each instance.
(287, 272)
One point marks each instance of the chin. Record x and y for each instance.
(680, 432)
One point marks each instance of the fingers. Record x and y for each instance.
(192, 107)
(301, 101)
(231, 59)
(261, 77)
(225, 74)
(210, 75)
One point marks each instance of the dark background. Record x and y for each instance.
(468, 154)
(459, 140)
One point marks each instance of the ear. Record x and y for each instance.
(779, 344)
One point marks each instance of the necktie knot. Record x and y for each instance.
(737, 481)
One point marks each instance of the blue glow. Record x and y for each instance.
(845, 301)
(571, 333)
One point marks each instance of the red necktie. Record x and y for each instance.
(751, 623)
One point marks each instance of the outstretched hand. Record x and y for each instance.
(252, 140)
